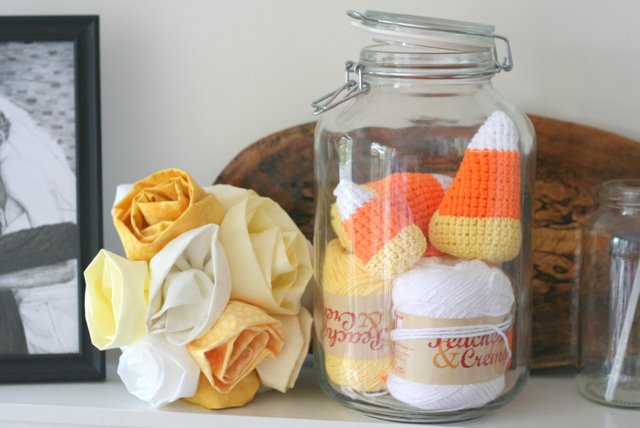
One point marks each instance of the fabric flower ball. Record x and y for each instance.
(158, 209)
(158, 372)
(281, 373)
(241, 339)
(268, 257)
(116, 300)
(190, 286)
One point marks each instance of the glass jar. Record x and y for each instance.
(422, 231)
(609, 351)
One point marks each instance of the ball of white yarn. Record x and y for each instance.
(443, 397)
(450, 289)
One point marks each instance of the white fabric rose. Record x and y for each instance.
(158, 372)
(190, 286)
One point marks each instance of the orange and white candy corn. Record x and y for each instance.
(384, 223)
(420, 193)
(479, 216)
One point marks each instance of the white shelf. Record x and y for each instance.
(549, 400)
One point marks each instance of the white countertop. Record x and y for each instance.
(548, 400)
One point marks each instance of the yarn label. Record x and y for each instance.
(454, 360)
(357, 327)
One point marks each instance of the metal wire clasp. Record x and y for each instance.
(351, 89)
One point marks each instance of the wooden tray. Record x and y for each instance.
(573, 160)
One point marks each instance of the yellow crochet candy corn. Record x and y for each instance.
(479, 216)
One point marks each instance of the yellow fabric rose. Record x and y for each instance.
(158, 209)
(268, 255)
(116, 300)
(241, 394)
(243, 336)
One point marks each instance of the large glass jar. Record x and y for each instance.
(422, 242)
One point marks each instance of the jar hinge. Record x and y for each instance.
(351, 89)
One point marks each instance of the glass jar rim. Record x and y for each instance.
(622, 192)
(404, 60)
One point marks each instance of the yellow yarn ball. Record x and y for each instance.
(361, 375)
(347, 282)
(345, 275)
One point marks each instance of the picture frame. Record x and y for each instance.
(50, 196)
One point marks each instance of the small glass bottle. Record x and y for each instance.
(609, 346)
(424, 178)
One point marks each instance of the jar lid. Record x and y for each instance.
(431, 32)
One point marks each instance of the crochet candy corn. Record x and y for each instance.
(382, 237)
(385, 222)
(422, 194)
(479, 216)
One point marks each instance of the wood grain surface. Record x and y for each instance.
(573, 160)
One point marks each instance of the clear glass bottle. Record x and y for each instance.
(609, 351)
(422, 242)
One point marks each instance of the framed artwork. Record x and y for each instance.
(50, 195)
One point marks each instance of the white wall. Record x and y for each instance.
(189, 83)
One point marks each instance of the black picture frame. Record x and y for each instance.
(85, 240)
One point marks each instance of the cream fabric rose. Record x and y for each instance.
(268, 258)
(281, 373)
(159, 208)
(243, 337)
(158, 372)
(190, 286)
(116, 300)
